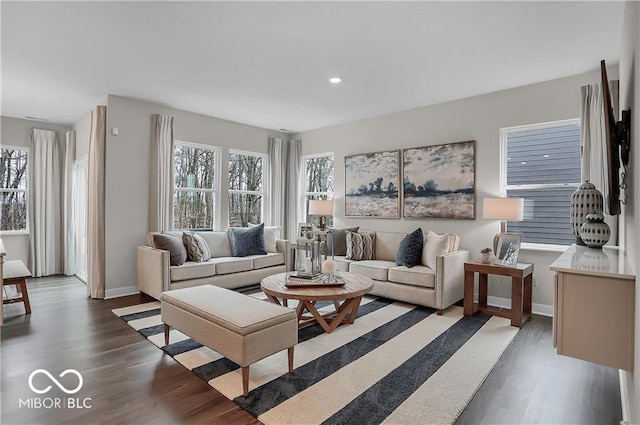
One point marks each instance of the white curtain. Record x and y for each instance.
(161, 191)
(295, 191)
(277, 173)
(594, 153)
(45, 247)
(95, 214)
(67, 207)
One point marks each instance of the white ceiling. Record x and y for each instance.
(267, 63)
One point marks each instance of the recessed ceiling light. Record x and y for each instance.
(335, 80)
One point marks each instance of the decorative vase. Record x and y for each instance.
(485, 257)
(585, 200)
(595, 232)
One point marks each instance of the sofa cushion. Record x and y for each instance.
(192, 270)
(387, 244)
(218, 243)
(410, 250)
(342, 263)
(226, 265)
(337, 245)
(417, 276)
(434, 245)
(271, 235)
(361, 246)
(197, 248)
(268, 260)
(247, 240)
(172, 243)
(375, 269)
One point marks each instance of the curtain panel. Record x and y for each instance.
(95, 214)
(295, 192)
(161, 191)
(69, 252)
(276, 185)
(594, 149)
(45, 247)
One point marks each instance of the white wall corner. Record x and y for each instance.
(624, 397)
(121, 292)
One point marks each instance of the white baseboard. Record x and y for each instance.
(121, 292)
(541, 309)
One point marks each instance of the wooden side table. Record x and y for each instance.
(521, 290)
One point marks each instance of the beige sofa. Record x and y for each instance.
(156, 275)
(438, 287)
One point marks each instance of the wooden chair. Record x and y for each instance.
(16, 273)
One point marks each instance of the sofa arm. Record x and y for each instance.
(284, 246)
(450, 278)
(152, 270)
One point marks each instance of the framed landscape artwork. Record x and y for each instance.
(372, 182)
(439, 181)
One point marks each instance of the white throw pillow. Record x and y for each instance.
(434, 245)
(271, 234)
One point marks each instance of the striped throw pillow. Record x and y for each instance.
(361, 246)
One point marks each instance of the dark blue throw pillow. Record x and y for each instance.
(247, 241)
(410, 250)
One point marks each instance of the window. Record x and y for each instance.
(14, 188)
(542, 165)
(246, 187)
(194, 197)
(318, 183)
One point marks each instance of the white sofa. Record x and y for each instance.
(438, 287)
(156, 274)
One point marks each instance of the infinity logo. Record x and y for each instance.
(55, 381)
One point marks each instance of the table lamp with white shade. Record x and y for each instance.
(503, 209)
(321, 208)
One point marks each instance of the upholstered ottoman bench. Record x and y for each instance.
(239, 327)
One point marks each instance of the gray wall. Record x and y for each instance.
(128, 168)
(17, 132)
(478, 118)
(629, 92)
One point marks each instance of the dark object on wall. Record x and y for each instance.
(618, 143)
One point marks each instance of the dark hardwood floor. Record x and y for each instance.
(129, 381)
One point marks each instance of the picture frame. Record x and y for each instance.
(508, 249)
(305, 231)
(439, 181)
(372, 184)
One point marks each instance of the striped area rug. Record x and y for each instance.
(397, 364)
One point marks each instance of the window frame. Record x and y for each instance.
(305, 193)
(504, 187)
(264, 213)
(216, 189)
(26, 230)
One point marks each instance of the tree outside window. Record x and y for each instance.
(318, 172)
(194, 186)
(246, 188)
(13, 169)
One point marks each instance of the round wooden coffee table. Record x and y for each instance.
(346, 299)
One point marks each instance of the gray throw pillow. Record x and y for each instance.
(410, 250)
(361, 246)
(197, 248)
(173, 244)
(338, 244)
(247, 241)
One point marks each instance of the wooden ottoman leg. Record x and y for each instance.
(25, 296)
(245, 380)
(290, 353)
(166, 334)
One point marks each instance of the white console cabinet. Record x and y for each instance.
(594, 306)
